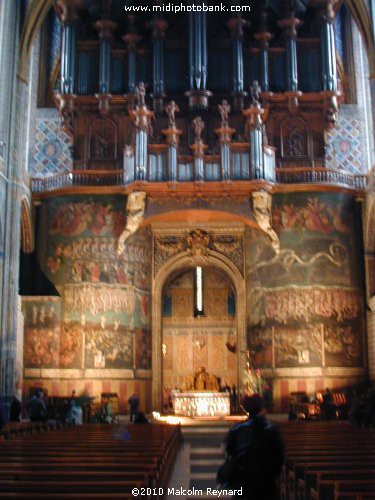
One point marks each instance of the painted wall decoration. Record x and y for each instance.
(298, 346)
(346, 142)
(108, 346)
(305, 304)
(142, 349)
(41, 331)
(50, 153)
(104, 310)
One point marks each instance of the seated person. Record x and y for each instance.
(75, 415)
(106, 415)
(141, 418)
(15, 410)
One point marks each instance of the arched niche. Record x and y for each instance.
(179, 262)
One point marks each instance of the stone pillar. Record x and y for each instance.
(141, 117)
(13, 131)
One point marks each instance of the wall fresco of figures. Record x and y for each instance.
(305, 304)
(104, 312)
(42, 316)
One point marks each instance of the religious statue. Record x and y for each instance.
(141, 93)
(198, 242)
(171, 110)
(135, 209)
(198, 126)
(201, 379)
(255, 91)
(224, 110)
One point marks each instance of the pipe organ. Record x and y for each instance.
(123, 74)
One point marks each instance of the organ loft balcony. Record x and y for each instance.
(203, 102)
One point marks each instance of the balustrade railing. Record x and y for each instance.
(97, 178)
(320, 176)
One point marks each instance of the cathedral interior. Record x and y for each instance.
(182, 190)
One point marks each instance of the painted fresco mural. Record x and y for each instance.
(103, 321)
(42, 317)
(305, 303)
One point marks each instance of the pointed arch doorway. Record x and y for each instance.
(180, 262)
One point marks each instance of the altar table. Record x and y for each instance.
(201, 404)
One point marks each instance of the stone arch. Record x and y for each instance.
(27, 232)
(187, 260)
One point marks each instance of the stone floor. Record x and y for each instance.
(198, 461)
(202, 454)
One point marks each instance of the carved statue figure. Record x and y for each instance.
(198, 126)
(171, 110)
(224, 110)
(201, 379)
(135, 209)
(141, 93)
(255, 91)
(198, 242)
(262, 213)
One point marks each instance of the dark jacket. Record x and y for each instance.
(259, 443)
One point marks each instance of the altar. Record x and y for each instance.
(201, 403)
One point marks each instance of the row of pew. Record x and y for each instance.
(328, 461)
(90, 461)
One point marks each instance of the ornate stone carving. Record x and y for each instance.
(135, 209)
(198, 126)
(262, 202)
(141, 94)
(255, 91)
(171, 109)
(224, 110)
(198, 242)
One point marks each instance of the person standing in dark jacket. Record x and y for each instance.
(3, 414)
(15, 410)
(134, 405)
(258, 443)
